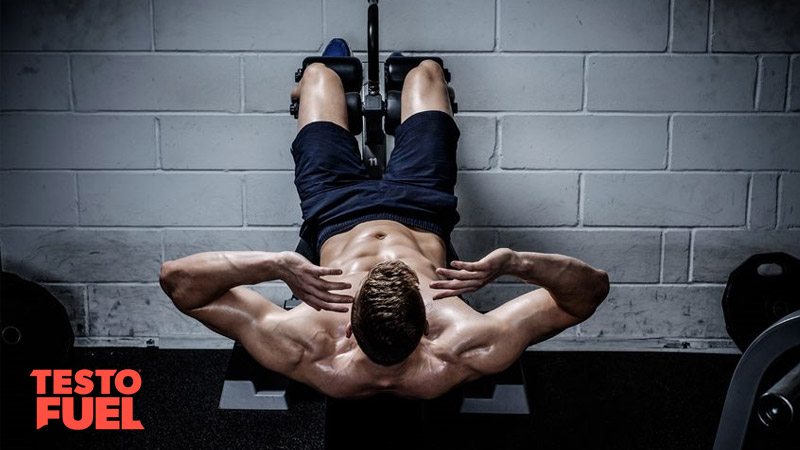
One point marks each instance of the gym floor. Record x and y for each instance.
(579, 400)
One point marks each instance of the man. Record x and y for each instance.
(382, 247)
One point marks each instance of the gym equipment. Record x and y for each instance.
(759, 292)
(34, 326)
(759, 410)
(372, 107)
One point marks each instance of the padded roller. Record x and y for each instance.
(348, 68)
(392, 119)
(397, 67)
(355, 115)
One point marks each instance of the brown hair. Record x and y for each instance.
(388, 314)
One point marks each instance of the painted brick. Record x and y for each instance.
(137, 310)
(79, 255)
(477, 142)
(659, 311)
(665, 199)
(237, 25)
(34, 82)
(272, 199)
(416, 25)
(772, 73)
(269, 80)
(180, 243)
(794, 86)
(584, 142)
(156, 82)
(670, 83)
(517, 199)
(718, 252)
(676, 256)
(540, 82)
(77, 142)
(73, 297)
(576, 25)
(227, 142)
(160, 199)
(747, 26)
(472, 244)
(689, 25)
(85, 25)
(31, 198)
(749, 142)
(763, 201)
(627, 256)
(790, 200)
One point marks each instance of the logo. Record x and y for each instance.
(97, 406)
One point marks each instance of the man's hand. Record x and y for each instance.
(471, 276)
(306, 282)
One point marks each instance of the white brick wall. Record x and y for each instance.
(656, 139)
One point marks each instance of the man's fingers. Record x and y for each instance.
(459, 274)
(322, 271)
(452, 293)
(455, 284)
(471, 266)
(332, 285)
(326, 296)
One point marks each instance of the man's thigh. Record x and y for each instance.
(425, 152)
(326, 157)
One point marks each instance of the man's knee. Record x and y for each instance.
(316, 73)
(426, 72)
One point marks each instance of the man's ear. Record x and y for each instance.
(427, 328)
(349, 330)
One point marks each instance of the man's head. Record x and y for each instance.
(388, 314)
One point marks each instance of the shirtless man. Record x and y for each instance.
(382, 250)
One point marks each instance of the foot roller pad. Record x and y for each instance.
(248, 385)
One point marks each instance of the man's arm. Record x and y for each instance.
(571, 291)
(208, 287)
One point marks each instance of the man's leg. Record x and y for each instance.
(321, 97)
(424, 89)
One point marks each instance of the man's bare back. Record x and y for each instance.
(336, 366)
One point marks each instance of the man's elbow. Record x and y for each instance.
(599, 289)
(170, 279)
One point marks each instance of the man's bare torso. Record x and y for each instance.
(332, 362)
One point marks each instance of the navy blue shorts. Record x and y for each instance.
(336, 193)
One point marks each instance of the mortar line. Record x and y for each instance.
(496, 47)
(152, 26)
(324, 22)
(779, 202)
(163, 246)
(787, 89)
(757, 82)
(581, 198)
(748, 206)
(690, 275)
(584, 96)
(710, 28)
(670, 25)
(159, 157)
(670, 130)
(241, 84)
(70, 85)
(663, 257)
(244, 201)
(78, 196)
(86, 320)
